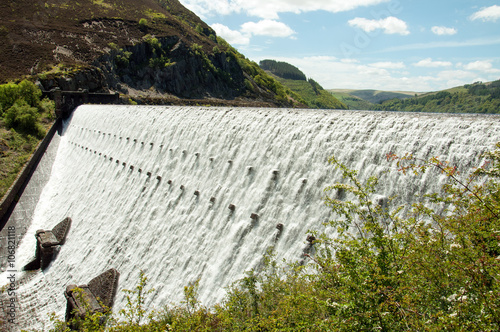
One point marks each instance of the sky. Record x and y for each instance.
(397, 45)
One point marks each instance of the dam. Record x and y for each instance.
(201, 193)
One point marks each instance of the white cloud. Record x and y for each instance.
(349, 60)
(267, 28)
(432, 64)
(466, 43)
(388, 65)
(334, 73)
(231, 36)
(487, 14)
(481, 65)
(262, 28)
(440, 31)
(456, 75)
(271, 9)
(390, 25)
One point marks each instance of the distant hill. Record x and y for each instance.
(471, 98)
(145, 49)
(311, 92)
(377, 96)
(366, 99)
(351, 101)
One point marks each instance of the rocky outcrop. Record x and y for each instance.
(169, 66)
(91, 79)
(163, 67)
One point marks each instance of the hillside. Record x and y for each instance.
(311, 92)
(366, 99)
(148, 50)
(351, 101)
(471, 98)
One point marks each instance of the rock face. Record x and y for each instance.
(169, 66)
(97, 296)
(47, 243)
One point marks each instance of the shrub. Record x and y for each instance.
(46, 106)
(143, 23)
(25, 90)
(22, 116)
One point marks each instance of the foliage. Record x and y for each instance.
(23, 120)
(122, 58)
(312, 94)
(89, 323)
(153, 42)
(25, 90)
(282, 69)
(23, 117)
(135, 310)
(22, 107)
(159, 62)
(143, 23)
(15, 151)
(473, 98)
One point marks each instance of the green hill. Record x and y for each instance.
(471, 98)
(283, 70)
(311, 92)
(351, 101)
(367, 99)
(377, 96)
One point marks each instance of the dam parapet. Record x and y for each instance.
(67, 101)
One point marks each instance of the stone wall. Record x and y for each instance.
(67, 101)
(10, 199)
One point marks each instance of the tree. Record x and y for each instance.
(24, 117)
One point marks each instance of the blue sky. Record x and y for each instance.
(405, 45)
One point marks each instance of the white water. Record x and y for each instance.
(125, 219)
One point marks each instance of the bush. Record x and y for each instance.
(26, 90)
(29, 92)
(22, 116)
(143, 23)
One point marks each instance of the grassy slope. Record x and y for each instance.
(377, 96)
(353, 102)
(313, 100)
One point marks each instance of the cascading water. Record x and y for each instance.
(188, 193)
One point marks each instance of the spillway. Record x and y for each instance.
(188, 193)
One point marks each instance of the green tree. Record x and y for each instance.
(23, 117)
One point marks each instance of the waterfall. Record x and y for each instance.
(188, 193)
